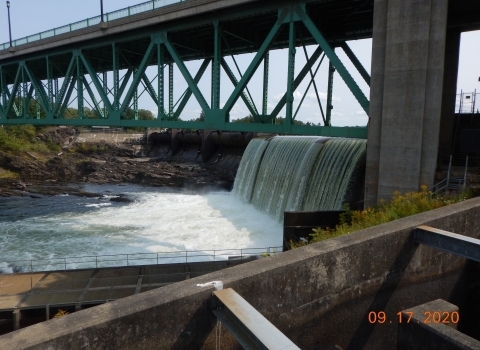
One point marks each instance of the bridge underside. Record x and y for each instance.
(97, 76)
(107, 74)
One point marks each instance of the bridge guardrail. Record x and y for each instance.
(117, 260)
(108, 17)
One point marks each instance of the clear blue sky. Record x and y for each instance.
(33, 16)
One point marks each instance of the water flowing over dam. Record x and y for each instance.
(301, 174)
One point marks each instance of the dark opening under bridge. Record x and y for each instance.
(413, 82)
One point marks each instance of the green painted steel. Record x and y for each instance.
(312, 77)
(248, 102)
(217, 57)
(290, 75)
(170, 89)
(312, 80)
(298, 80)
(331, 73)
(336, 62)
(188, 93)
(363, 72)
(266, 69)
(55, 79)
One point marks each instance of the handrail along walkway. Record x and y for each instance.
(93, 21)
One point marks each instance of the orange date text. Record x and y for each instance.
(436, 317)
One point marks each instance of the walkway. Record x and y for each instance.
(29, 298)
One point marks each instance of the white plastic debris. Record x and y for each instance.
(217, 284)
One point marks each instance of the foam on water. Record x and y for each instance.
(159, 220)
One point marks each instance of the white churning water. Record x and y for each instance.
(278, 174)
(159, 220)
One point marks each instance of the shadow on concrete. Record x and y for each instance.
(384, 294)
(467, 298)
(198, 329)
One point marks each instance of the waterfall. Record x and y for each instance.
(294, 173)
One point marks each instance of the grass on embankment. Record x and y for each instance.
(399, 207)
(18, 140)
(15, 139)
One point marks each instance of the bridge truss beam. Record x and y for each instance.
(31, 94)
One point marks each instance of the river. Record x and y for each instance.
(158, 220)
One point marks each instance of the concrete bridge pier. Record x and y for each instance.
(414, 70)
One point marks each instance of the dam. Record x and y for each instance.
(276, 173)
(313, 271)
(319, 295)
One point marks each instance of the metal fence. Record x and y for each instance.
(108, 17)
(118, 260)
(466, 102)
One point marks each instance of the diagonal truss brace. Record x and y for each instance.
(183, 69)
(303, 73)
(363, 72)
(243, 95)
(260, 55)
(96, 82)
(319, 38)
(189, 92)
(66, 83)
(40, 92)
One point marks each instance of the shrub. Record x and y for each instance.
(399, 207)
(21, 138)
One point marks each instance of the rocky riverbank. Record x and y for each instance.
(49, 174)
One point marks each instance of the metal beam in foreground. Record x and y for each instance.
(467, 247)
(251, 329)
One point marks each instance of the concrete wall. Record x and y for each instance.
(319, 295)
(423, 332)
(408, 74)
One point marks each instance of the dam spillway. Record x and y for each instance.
(276, 174)
(301, 174)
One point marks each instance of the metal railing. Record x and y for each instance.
(93, 21)
(449, 184)
(118, 260)
(465, 103)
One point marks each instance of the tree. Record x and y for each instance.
(245, 120)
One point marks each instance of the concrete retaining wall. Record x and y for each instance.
(427, 331)
(319, 295)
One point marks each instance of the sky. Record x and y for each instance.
(33, 16)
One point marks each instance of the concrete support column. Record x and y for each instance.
(406, 96)
(452, 55)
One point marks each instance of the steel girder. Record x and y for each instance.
(111, 103)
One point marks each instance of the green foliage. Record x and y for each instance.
(279, 121)
(267, 254)
(246, 120)
(9, 175)
(399, 207)
(18, 138)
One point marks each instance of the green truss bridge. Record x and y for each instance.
(103, 65)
